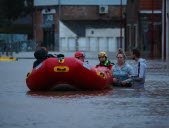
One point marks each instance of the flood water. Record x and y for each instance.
(115, 108)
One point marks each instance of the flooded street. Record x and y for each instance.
(116, 108)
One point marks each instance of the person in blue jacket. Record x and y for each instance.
(122, 71)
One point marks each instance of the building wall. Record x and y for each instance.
(132, 11)
(140, 15)
(39, 31)
(81, 19)
(89, 12)
(70, 32)
(147, 4)
(94, 40)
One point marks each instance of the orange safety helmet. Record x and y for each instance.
(79, 54)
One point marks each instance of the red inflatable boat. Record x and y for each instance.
(70, 71)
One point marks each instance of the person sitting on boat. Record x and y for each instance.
(40, 54)
(121, 71)
(103, 60)
(80, 56)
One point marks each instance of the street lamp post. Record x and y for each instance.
(164, 13)
(152, 28)
(121, 22)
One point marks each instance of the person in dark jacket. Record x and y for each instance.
(40, 55)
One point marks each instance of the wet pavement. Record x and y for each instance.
(115, 108)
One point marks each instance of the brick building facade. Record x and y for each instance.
(72, 25)
(144, 26)
(99, 25)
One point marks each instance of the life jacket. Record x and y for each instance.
(107, 64)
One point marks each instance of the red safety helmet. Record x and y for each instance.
(79, 54)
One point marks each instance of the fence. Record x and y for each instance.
(7, 48)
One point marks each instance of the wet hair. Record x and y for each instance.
(46, 50)
(120, 51)
(40, 54)
(136, 52)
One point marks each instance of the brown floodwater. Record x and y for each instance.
(113, 108)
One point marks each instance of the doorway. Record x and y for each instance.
(48, 39)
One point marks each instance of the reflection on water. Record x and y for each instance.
(113, 108)
(69, 94)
